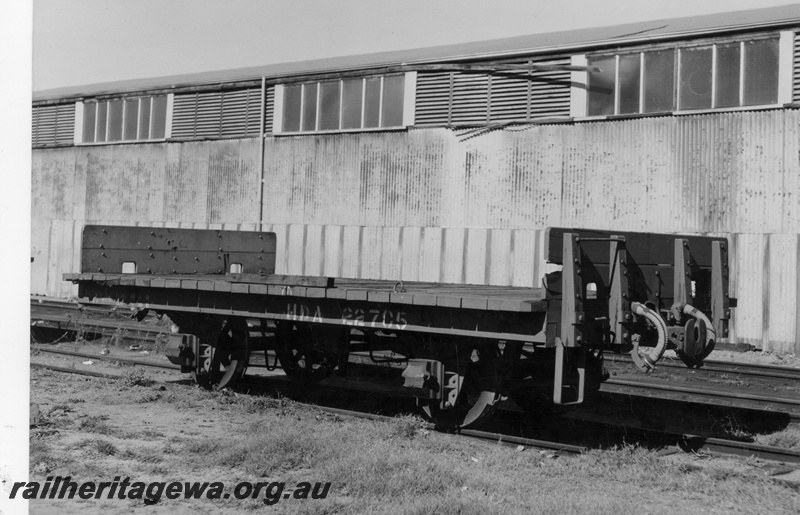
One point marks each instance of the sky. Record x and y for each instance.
(78, 42)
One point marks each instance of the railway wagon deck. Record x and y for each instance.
(457, 348)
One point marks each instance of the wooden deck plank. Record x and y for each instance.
(448, 301)
(282, 280)
(424, 299)
(474, 303)
(258, 289)
(240, 288)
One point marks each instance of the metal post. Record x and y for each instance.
(261, 149)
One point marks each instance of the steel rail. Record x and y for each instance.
(498, 438)
(74, 305)
(693, 443)
(726, 367)
(89, 373)
(704, 392)
(107, 357)
(704, 395)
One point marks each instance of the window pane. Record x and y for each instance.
(158, 121)
(351, 103)
(102, 120)
(601, 87)
(392, 108)
(115, 120)
(144, 118)
(695, 78)
(659, 81)
(291, 108)
(372, 102)
(89, 114)
(309, 107)
(131, 118)
(761, 72)
(727, 80)
(629, 68)
(329, 106)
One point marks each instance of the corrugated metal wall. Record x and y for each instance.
(732, 172)
(198, 184)
(426, 205)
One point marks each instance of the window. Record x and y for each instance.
(129, 119)
(720, 75)
(344, 104)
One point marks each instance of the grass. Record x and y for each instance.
(396, 464)
(374, 467)
(98, 446)
(137, 377)
(96, 424)
(789, 438)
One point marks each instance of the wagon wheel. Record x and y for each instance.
(477, 367)
(307, 354)
(224, 362)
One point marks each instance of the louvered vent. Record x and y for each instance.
(217, 114)
(457, 98)
(796, 71)
(53, 125)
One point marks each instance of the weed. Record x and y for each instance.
(146, 455)
(789, 438)
(259, 404)
(128, 454)
(148, 397)
(39, 451)
(286, 407)
(225, 396)
(101, 446)
(60, 409)
(136, 377)
(733, 429)
(406, 426)
(95, 424)
(151, 433)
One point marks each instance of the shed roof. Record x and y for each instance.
(553, 42)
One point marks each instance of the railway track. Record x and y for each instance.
(685, 442)
(90, 320)
(704, 395)
(724, 367)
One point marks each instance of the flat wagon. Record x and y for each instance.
(458, 349)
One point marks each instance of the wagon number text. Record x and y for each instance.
(374, 318)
